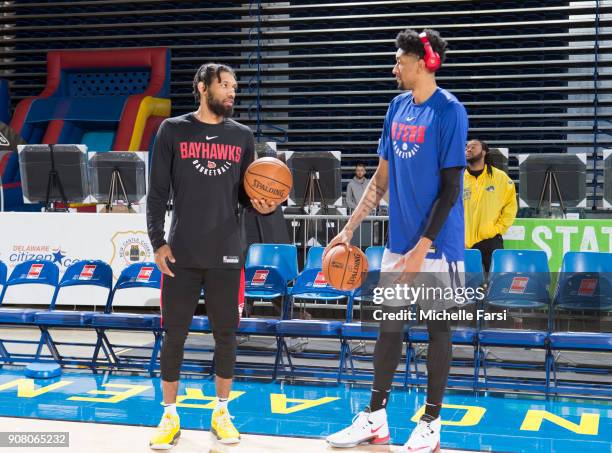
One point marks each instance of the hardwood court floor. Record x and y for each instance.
(101, 437)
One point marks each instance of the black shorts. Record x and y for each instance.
(224, 298)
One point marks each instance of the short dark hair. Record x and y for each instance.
(205, 74)
(359, 164)
(409, 41)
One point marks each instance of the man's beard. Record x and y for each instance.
(218, 108)
(474, 159)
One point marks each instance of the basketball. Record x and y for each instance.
(268, 178)
(344, 267)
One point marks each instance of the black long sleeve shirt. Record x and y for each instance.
(204, 164)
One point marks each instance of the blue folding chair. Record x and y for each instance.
(314, 258)
(279, 256)
(135, 276)
(36, 275)
(32, 282)
(474, 271)
(518, 283)
(374, 254)
(583, 293)
(3, 351)
(585, 282)
(310, 285)
(519, 279)
(88, 280)
(464, 335)
(359, 330)
(269, 270)
(2, 279)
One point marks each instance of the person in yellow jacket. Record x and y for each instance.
(489, 202)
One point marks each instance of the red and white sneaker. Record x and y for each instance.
(367, 428)
(425, 437)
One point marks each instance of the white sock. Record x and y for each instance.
(170, 409)
(378, 416)
(221, 403)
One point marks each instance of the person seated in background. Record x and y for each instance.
(356, 187)
(489, 202)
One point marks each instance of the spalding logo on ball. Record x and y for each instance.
(268, 178)
(344, 267)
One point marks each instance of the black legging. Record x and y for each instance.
(487, 247)
(180, 295)
(388, 353)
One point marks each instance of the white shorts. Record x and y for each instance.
(436, 272)
(430, 264)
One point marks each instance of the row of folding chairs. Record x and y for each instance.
(37, 282)
(518, 280)
(520, 283)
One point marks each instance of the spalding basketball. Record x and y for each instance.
(268, 178)
(344, 267)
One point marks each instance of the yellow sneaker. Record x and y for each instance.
(221, 426)
(167, 433)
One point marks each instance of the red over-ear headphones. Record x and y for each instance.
(432, 59)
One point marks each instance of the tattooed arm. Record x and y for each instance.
(371, 197)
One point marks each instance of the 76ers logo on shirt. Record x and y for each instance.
(407, 139)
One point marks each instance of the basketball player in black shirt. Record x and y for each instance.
(202, 156)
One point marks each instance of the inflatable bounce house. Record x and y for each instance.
(111, 100)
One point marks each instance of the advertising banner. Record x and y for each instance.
(558, 236)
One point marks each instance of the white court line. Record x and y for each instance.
(104, 438)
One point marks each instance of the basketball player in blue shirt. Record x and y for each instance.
(421, 163)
